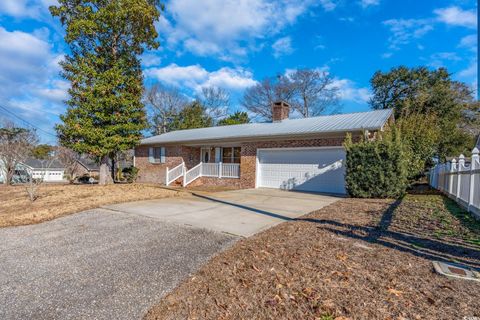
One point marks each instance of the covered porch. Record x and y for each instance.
(215, 162)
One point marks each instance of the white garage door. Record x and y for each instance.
(316, 170)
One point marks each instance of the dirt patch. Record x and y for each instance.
(58, 200)
(355, 259)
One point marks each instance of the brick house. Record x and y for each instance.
(293, 154)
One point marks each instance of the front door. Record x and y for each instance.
(206, 155)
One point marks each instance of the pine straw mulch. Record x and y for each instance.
(59, 200)
(355, 259)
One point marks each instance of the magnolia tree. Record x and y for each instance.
(105, 112)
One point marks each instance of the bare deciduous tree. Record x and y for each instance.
(69, 160)
(309, 92)
(216, 101)
(314, 90)
(34, 183)
(165, 103)
(259, 98)
(16, 145)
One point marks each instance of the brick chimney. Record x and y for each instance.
(280, 111)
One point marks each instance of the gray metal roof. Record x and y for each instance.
(89, 164)
(44, 164)
(349, 122)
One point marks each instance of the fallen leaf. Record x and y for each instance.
(397, 293)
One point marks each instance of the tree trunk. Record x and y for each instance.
(9, 176)
(105, 177)
(112, 159)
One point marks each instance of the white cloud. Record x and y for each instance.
(349, 91)
(456, 16)
(470, 71)
(469, 42)
(328, 5)
(150, 60)
(194, 77)
(369, 3)
(438, 59)
(25, 8)
(282, 47)
(226, 28)
(406, 30)
(29, 81)
(347, 19)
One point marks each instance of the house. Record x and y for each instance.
(293, 154)
(86, 166)
(48, 170)
(20, 175)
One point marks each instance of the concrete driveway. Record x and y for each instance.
(239, 212)
(116, 263)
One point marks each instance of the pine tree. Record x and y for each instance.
(105, 112)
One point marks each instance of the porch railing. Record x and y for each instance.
(174, 173)
(217, 170)
(230, 170)
(210, 169)
(192, 174)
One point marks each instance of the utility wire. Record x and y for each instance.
(29, 123)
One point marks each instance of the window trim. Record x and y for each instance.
(232, 156)
(152, 153)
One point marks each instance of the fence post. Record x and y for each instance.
(166, 177)
(220, 169)
(184, 176)
(473, 167)
(451, 168)
(461, 163)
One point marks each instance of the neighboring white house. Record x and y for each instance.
(49, 171)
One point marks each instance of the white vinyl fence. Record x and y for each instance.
(460, 181)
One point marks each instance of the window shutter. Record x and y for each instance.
(151, 157)
(162, 154)
(218, 154)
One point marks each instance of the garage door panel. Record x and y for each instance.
(318, 170)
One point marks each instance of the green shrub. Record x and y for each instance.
(420, 135)
(130, 173)
(376, 169)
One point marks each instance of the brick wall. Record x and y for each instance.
(249, 154)
(155, 172)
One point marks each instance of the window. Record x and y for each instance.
(156, 155)
(231, 155)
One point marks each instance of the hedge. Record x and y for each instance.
(376, 169)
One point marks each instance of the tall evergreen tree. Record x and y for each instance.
(105, 113)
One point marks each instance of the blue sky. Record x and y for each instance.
(235, 43)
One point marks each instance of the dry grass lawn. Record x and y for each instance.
(355, 259)
(58, 200)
